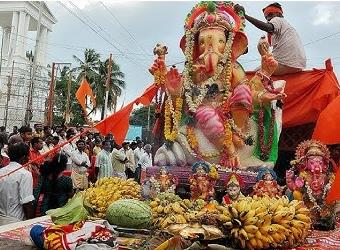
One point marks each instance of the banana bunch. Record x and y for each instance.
(213, 173)
(263, 222)
(168, 209)
(107, 190)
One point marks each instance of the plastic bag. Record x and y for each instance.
(73, 211)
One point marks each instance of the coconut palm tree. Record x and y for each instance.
(116, 86)
(88, 67)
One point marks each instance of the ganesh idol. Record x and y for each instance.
(212, 112)
(310, 180)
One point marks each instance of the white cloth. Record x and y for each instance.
(46, 148)
(118, 164)
(138, 152)
(68, 149)
(131, 159)
(287, 46)
(103, 162)
(78, 158)
(79, 172)
(145, 161)
(16, 190)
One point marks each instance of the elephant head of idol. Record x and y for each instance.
(213, 35)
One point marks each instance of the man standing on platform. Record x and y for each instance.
(287, 49)
(16, 188)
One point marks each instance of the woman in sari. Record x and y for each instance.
(53, 189)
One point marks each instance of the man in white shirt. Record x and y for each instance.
(16, 189)
(138, 152)
(130, 165)
(118, 161)
(80, 164)
(145, 161)
(288, 49)
(69, 148)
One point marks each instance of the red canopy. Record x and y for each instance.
(308, 94)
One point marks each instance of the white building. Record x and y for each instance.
(19, 23)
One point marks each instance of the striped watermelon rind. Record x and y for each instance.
(129, 213)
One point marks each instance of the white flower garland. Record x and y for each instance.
(194, 103)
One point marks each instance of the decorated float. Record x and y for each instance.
(213, 183)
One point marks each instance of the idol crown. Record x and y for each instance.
(210, 14)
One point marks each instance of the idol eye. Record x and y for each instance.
(221, 41)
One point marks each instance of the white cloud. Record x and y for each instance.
(325, 14)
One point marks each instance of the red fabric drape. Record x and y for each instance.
(327, 129)
(118, 123)
(308, 94)
(83, 91)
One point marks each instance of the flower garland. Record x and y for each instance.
(265, 149)
(171, 134)
(194, 103)
(246, 137)
(193, 142)
(311, 196)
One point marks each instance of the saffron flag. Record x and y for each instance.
(118, 123)
(327, 128)
(83, 91)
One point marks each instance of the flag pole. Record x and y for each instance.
(107, 85)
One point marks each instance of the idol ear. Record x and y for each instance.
(240, 44)
(182, 43)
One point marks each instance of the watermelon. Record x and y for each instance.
(129, 213)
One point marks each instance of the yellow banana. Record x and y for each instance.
(303, 218)
(224, 218)
(259, 244)
(249, 215)
(259, 222)
(279, 216)
(298, 224)
(251, 221)
(251, 228)
(233, 212)
(303, 210)
(253, 243)
(267, 219)
(278, 238)
(243, 233)
(228, 224)
(260, 210)
(285, 223)
(266, 229)
(243, 243)
(296, 232)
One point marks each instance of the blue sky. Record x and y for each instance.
(141, 25)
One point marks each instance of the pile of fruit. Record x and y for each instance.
(263, 223)
(105, 191)
(168, 208)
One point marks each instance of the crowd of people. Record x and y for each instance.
(41, 168)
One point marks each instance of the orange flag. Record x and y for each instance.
(118, 123)
(83, 91)
(327, 128)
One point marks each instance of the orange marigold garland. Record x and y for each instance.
(172, 117)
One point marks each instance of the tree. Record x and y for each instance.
(88, 67)
(77, 117)
(116, 85)
(95, 72)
